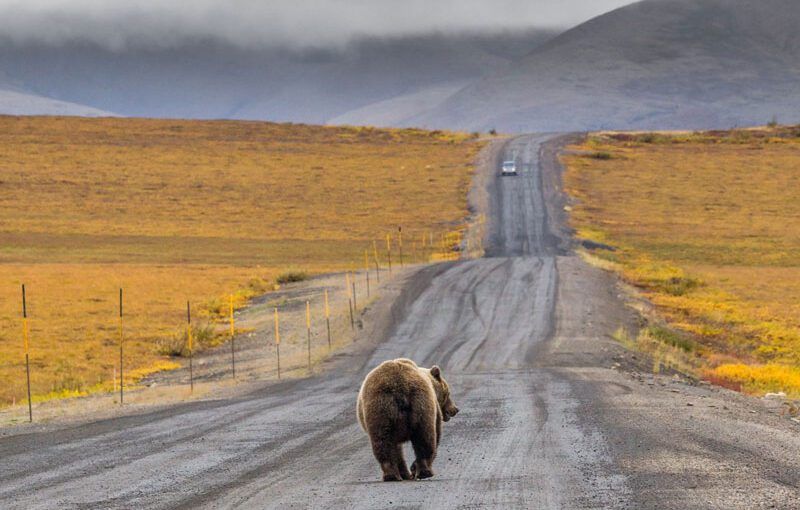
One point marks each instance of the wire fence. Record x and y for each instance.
(360, 285)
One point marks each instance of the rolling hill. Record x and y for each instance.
(20, 103)
(655, 64)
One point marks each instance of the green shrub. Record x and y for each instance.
(672, 338)
(678, 285)
(292, 276)
(203, 336)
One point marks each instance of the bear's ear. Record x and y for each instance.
(436, 372)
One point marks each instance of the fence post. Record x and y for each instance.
(27, 354)
(377, 266)
(400, 243)
(366, 269)
(233, 339)
(121, 343)
(389, 251)
(308, 331)
(278, 341)
(328, 319)
(191, 346)
(349, 299)
(353, 284)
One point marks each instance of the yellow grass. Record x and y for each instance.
(186, 210)
(706, 224)
(760, 378)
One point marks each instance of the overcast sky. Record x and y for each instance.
(254, 23)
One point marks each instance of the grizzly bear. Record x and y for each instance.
(400, 402)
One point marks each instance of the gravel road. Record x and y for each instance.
(523, 337)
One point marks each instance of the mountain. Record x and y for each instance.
(18, 103)
(655, 64)
(208, 79)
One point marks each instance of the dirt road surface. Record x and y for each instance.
(548, 420)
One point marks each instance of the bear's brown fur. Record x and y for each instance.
(400, 402)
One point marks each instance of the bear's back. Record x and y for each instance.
(393, 392)
(398, 377)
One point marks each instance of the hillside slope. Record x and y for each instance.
(654, 64)
(18, 103)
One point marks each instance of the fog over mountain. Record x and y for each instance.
(154, 24)
(462, 64)
(210, 79)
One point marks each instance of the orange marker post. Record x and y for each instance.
(278, 342)
(349, 299)
(366, 268)
(389, 251)
(353, 284)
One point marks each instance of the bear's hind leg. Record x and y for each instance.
(386, 455)
(424, 442)
(402, 468)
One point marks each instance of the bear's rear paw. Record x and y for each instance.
(425, 473)
(420, 474)
(391, 477)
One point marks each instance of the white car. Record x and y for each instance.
(509, 168)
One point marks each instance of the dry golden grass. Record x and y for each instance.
(706, 224)
(177, 210)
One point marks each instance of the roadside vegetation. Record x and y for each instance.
(706, 225)
(191, 210)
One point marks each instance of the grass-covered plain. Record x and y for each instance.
(177, 210)
(707, 225)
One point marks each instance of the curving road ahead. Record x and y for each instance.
(523, 338)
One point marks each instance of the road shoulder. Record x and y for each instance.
(679, 442)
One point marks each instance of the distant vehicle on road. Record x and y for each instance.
(509, 168)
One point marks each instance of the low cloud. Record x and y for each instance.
(121, 24)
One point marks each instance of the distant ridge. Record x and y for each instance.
(654, 64)
(18, 103)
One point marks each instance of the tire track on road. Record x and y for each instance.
(517, 443)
